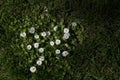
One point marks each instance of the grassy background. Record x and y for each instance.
(98, 57)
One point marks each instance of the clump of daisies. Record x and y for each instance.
(55, 37)
(42, 40)
(45, 43)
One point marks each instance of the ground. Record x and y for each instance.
(98, 57)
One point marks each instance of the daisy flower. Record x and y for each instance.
(41, 50)
(57, 42)
(32, 30)
(52, 43)
(66, 30)
(36, 36)
(42, 58)
(36, 45)
(43, 34)
(39, 62)
(66, 36)
(74, 24)
(29, 47)
(65, 53)
(33, 69)
(57, 51)
(23, 34)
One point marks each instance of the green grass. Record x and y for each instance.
(96, 58)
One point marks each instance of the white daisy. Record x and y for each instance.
(66, 30)
(66, 36)
(33, 69)
(29, 47)
(32, 30)
(52, 43)
(23, 34)
(65, 53)
(36, 36)
(57, 51)
(42, 58)
(36, 45)
(39, 62)
(41, 50)
(57, 42)
(55, 28)
(43, 34)
(74, 24)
